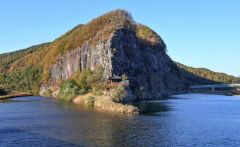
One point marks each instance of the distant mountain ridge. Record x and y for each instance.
(206, 76)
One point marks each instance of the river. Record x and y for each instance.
(187, 120)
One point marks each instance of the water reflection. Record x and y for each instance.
(152, 106)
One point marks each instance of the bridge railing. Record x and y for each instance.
(214, 86)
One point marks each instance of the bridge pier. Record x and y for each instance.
(213, 89)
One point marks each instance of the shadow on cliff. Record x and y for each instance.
(150, 71)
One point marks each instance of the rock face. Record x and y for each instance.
(81, 58)
(151, 73)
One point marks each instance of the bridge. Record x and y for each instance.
(214, 86)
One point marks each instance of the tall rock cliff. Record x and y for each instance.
(123, 47)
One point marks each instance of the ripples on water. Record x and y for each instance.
(188, 120)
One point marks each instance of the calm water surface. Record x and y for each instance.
(188, 120)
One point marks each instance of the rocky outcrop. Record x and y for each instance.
(150, 71)
(81, 58)
(49, 90)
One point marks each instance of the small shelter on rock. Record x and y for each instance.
(115, 80)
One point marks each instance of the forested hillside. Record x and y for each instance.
(7, 60)
(20, 70)
(206, 76)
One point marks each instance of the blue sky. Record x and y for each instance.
(198, 33)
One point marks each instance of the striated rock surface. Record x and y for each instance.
(82, 58)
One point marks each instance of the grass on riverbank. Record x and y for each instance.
(105, 103)
(14, 95)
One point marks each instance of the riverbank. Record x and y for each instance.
(15, 95)
(105, 103)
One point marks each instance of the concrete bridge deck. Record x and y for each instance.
(213, 86)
